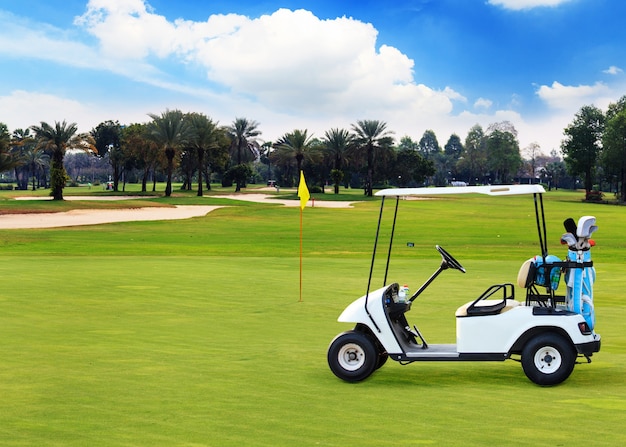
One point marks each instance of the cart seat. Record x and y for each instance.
(486, 307)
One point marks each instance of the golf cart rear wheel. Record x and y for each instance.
(353, 356)
(548, 359)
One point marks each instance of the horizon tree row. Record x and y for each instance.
(194, 148)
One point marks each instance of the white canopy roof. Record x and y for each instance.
(492, 190)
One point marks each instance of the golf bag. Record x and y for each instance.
(580, 274)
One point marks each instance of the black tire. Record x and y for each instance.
(353, 356)
(548, 359)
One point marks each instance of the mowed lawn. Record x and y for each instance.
(192, 333)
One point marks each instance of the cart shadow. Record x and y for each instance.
(433, 374)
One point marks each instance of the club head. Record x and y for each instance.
(568, 239)
(584, 225)
(570, 226)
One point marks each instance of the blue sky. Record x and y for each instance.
(444, 65)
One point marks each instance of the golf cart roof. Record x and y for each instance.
(492, 190)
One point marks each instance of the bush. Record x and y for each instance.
(594, 196)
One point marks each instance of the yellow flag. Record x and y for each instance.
(303, 191)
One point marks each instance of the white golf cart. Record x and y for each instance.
(542, 329)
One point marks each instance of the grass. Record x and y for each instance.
(191, 333)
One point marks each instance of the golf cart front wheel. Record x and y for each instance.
(352, 356)
(548, 359)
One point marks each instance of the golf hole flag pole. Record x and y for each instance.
(303, 193)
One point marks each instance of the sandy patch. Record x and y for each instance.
(88, 198)
(264, 198)
(94, 217)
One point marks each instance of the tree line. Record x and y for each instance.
(595, 148)
(193, 148)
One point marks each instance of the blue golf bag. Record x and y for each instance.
(580, 274)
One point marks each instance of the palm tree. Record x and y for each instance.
(296, 145)
(7, 159)
(20, 142)
(337, 143)
(244, 146)
(57, 140)
(170, 131)
(36, 160)
(203, 137)
(371, 136)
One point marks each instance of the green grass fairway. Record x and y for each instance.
(191, 333)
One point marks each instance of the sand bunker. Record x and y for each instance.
(93, 217)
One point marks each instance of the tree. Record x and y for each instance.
(57, 140)
(244, 145)
(337, 143)
(552, 173)
(371, 137)
(36, 160)
(203, 137)
(614, 145)
(429, 148)
(217, 157)
(532, 151)
(473, 164)
(411, 166)
(428, 144)
(170, 131)
(582, 143)
(137, 144)
(107, 136)
(454, 147)
(7, 160)
(298, 146)
(452, 151)
(503, 156)
(21, 143)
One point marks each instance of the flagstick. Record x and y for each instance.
(300, 254)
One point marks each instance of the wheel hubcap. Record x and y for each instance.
(547, 360)
(351, 357)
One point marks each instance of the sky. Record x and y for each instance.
(441, 65)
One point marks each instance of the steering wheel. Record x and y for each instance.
(448, 260)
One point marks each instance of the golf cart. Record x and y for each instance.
(547, 333)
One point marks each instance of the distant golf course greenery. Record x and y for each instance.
(191, 332)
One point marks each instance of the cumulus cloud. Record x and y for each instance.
(289, 60)
(483, 103)
(567, 97)
(287, 69)
(45, 107)
(518, 5)
(613, 70)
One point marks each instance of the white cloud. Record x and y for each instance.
(483, 103)
(566, 97)
(290, 61)
(518, 5)
(613, 70)
(28, 106)
(288, 69)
